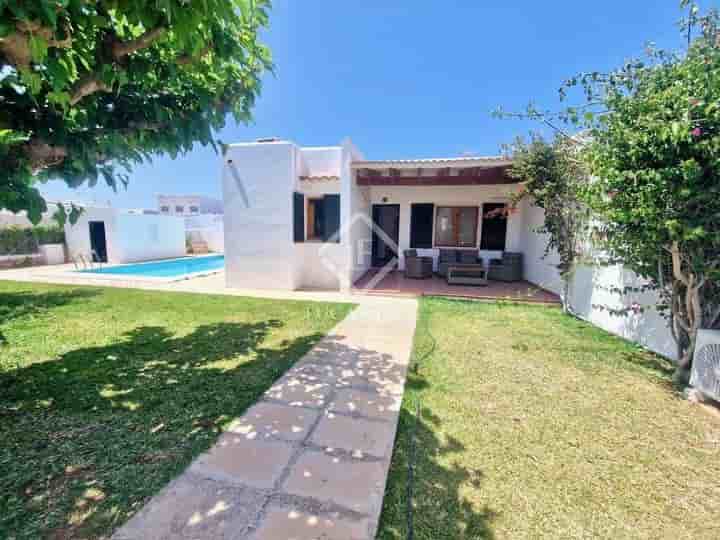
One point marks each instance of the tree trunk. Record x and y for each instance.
(565, 293)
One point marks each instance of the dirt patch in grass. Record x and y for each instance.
(536, 425)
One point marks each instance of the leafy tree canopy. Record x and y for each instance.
(87, 89)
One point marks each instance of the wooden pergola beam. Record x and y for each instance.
(481, 177)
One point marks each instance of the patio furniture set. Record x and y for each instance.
(464, 267)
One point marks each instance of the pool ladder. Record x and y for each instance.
(82, 262)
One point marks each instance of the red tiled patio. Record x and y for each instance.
(396, 284)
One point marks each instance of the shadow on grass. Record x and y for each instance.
(22, 304)
(90, 435)
(439, 508)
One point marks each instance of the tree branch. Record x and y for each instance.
(123, 48)
(89, 84)
(43, 155)
(16, 46)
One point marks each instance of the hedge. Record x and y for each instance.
(17, 241)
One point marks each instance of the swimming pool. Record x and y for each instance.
(169, 268)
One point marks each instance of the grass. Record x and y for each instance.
(107, 394)
(536, 425)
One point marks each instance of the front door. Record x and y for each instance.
(386, 218)
(98, 246)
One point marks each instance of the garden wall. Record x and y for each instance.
(591, 293)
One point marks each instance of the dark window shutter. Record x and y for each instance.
(421, 225)
(494, 227)
(298, 217)
(331, 207)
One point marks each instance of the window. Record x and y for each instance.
(179, 209)
(421, 225)
(456, 226)
(164, 209)
(315, 219)
(194, 209)
(323, 218)
(494, 227)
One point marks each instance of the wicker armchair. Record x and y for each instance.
(509, 268)
(417, 267)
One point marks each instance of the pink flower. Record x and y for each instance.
(696, 132)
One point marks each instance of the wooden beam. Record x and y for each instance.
(483, 177)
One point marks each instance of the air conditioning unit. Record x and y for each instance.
(705, 374)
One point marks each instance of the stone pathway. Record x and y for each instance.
(310, 459)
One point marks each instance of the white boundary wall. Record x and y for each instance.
(592, 287)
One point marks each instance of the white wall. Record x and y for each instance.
(147, 237)
(129, 237)
(208, 228)
(405, 196)
(77, 235)
(537, 268)
(259, 248)
(592, 289)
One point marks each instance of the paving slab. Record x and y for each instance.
(300, 391)
(352, 483)
(356, 436)
(237, 458)
(271, 420)
(293, 524)
(370, 404)
(197, 508)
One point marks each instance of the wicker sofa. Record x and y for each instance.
(456, 257)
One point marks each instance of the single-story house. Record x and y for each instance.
(321, 217)
(117, 236)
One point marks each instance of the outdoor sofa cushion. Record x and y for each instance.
(468, 257)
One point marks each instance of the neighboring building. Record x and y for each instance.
(119, 236)
(188, 205)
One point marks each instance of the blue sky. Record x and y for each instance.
(411, 79)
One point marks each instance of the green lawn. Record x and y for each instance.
(107, 394)
(536, 425)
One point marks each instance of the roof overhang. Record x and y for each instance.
(433, 163)
(475, 171)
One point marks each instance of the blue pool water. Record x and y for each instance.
(170, 268)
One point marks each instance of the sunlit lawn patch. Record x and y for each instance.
(107, 394)
(536, 425)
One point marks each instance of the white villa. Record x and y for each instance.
(301, 217)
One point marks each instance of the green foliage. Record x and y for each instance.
(19, 241)
(656, 156)
(90, 89)
(553, 177)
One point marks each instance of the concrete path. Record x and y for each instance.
(310, 459)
